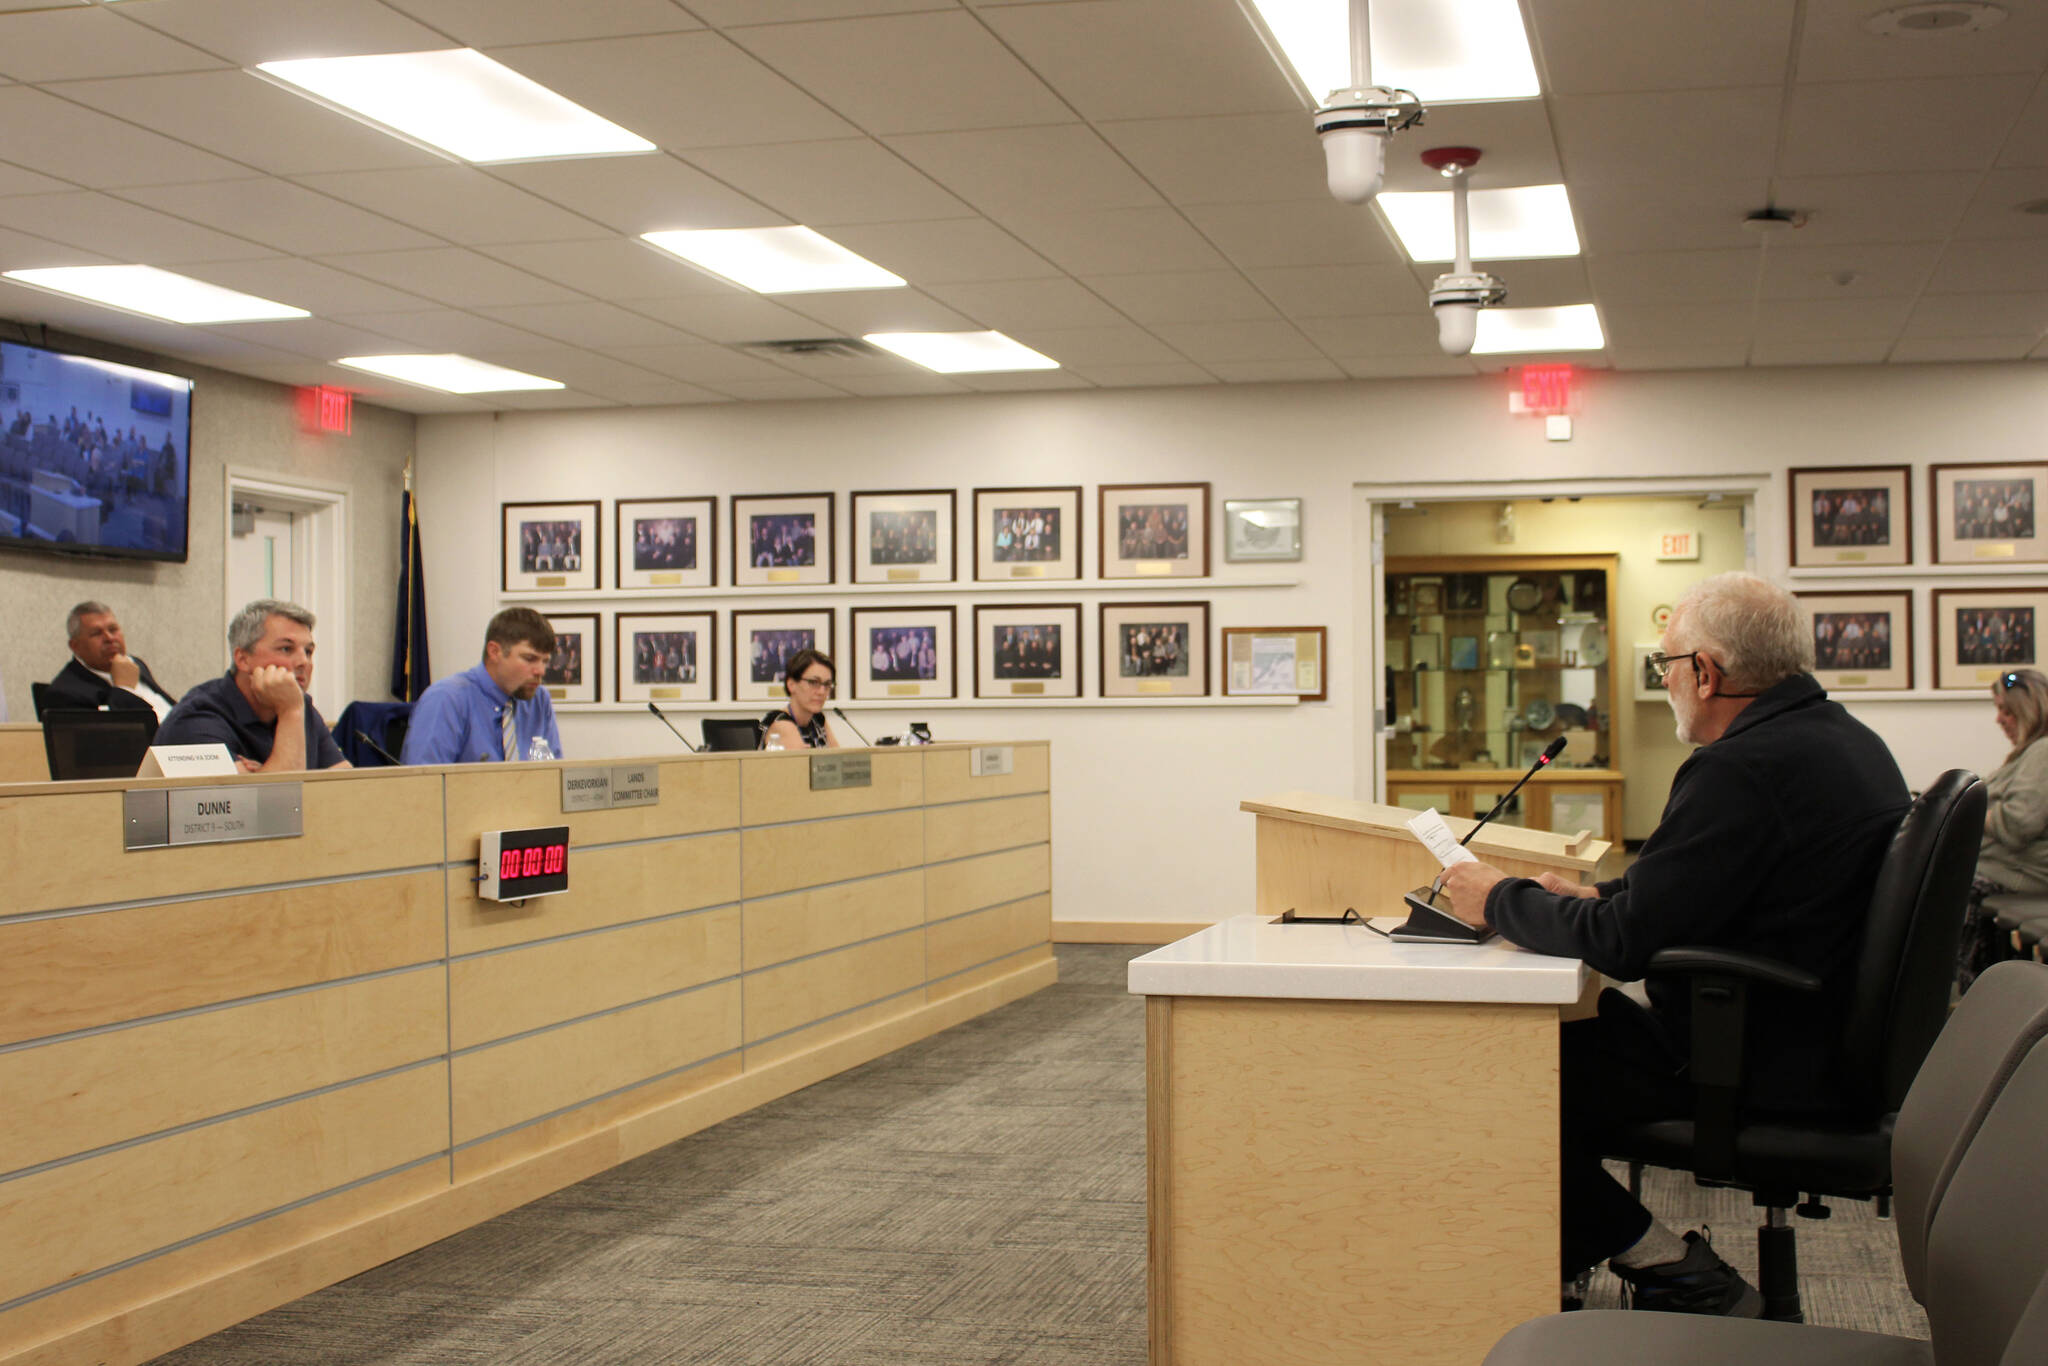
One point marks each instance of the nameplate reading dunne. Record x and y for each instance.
(162, 818)
(586, 789)
(636, 785)
(991, 761)
(830, 771)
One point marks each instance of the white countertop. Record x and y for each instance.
(1251, 956)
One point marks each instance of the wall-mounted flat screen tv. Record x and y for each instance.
(95, 457)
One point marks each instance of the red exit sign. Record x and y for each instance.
(324, 408)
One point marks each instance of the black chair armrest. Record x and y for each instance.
(1720, 1017)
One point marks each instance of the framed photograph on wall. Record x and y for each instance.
(1862, 642)
(762, 643)
(905, 537)
(1852, 516)
(1261, 529)
(901, 652)
(1989, 514)
(1027, 533)
(666, 656)
(1154, 649)
(573, 672)
(1028, 652)
(1980, 633)
(550, 545)
(1154, 531)
(781, 538)
(665, 542)
(1279, 661)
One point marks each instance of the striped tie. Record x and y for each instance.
(508, 741)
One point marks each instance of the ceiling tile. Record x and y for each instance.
(444, 329)
(1514, 137)
(1407, 367)
(1782, 351)
(1006, 305)
(1979, 315)
(458, 203)
(908, 73)
(1062, 168)
(731, 317)
(601, 327)
(1394, 334)
(1831, 319)
(319, 338)
(1208, 342)
(281, 215)
(582, 370)
(124, 231)
(1609, 46)
(789, 387)
(2027, 143)
(246, 32)
(15, 180)
(319, 289)
(1994, 210)
(1928, 349)
(84, 147)
(1670, 217)
(1921, 207)
(1145, 376)
(1675, 324)
(1183, 296)
(1847, 271)
(540, 399)
(76, 44)
(899, 386)
(1338, 291)
(487, 23)
(858, 311)
(1311, 232)
(846, 180)
(450, 275)
(1117, 241)
(945, 251)
(1085, 347)
(1274, 371)
(681, 90)
(1007, 382)
(1873, 126)
(639, 193)
(1834, 45)
(26, 251)
(620, 269)
(1719, 356)
(663, 392)
(1649, 277)
(1991, 267)
(736, 13)
(716, 366)
(238, 116)
(1697, 135)
(1136, 59)
(836, 370)
(1241, 158)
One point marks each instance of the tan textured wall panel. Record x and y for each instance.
(65, 1221)
(783, 927)
(778, 788)
(955, 945)
(781, 998)
(498, 1087)
(78, 971)
(105, 1088)
(949, 774)
(784, 858)
(952, 889)
(952, 832)
(598, 1121)
(526, 988)
(1030, 968)
(607, 886)
(696, 795)
(354, 823)
(22, 758)
(852, 1023)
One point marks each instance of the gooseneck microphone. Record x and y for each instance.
(1542, 761)
(1429, 920)
(382, 752)
(686, 739)
(852, 727)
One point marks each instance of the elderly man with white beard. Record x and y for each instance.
(1769, 844)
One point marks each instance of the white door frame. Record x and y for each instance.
(1369, 504)
(320, 567)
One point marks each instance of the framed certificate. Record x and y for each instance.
(1282, 661)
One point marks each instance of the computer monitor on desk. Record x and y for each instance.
(83, 743)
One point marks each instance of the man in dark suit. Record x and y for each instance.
(101, 673)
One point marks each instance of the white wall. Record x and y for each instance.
(1145, 823)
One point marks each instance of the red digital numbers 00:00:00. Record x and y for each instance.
(538, 861)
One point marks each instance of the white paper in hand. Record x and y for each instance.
(1437, 837)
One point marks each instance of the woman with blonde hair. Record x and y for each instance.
(2014, 855)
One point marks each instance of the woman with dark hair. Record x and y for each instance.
(802, 725)
(2014, 855)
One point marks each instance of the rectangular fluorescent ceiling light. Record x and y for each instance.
(962, 353)
(449, 373)
(1574, 327)
(458, 101)
(775, 260)
(1446, 51)
(157, 294)
(1507, 225)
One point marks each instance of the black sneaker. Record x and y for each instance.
(1697, 1283)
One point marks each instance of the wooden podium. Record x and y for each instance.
(1351, 1143)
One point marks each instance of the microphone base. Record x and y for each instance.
(1431, 922)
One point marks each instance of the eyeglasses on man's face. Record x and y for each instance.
(1660, 663)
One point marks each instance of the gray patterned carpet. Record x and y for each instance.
(976, 1198)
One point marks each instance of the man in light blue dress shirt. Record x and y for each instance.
(468, 718)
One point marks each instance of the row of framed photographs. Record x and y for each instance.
(1863, 641)
(1030, 653)
(1987, 515)
(904, 536)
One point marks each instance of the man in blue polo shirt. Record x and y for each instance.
(259, 708)
(470, 717)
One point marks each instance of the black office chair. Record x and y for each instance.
(724, 733)
(1897, 1007)
(45, 697)
(84, 743)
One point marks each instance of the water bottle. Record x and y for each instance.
(773, 741)
(538, 748)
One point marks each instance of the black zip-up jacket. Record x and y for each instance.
(1769, 844)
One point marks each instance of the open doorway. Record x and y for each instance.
(289, 539)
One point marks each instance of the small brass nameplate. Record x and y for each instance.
(829, 771)
(163, 817)
(2003, 550)
(905, 690)
(991, 761)
(551, 581)
(586, 789)
(1989, 675)
(558, 693)
(636, 785)
(1152, 569)
(1027, 571)
(1853, 681)
(1027, 689)
(785, 576)
(903, 576)
(1851, 556)
(664, 580)
(665, 694)
(1154, 687)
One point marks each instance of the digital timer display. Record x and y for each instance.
(516, 864)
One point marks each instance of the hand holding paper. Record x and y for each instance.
(1429, 827)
